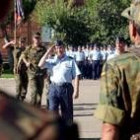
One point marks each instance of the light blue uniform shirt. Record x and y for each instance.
(62, 70)
(70, 53)
(80, 56)
(86, 53)
(96, 55)
(104, 54)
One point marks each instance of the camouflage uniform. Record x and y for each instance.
(119, 103)
(20, 74)
(119, 95)
(36, 76)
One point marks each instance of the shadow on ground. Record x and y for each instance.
(86, 104)
(84, 109)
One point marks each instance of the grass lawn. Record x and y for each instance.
(7, 74)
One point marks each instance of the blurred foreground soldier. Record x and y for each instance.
(31, 57)
(63, 70)
(119, 106)
(20, 69)
(21, 121)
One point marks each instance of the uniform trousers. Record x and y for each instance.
(21, 80)
(95, 69)
(80, 65)
(36, 84)
(61, 95)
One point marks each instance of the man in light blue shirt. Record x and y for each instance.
(80, 57)
(70, 52)
(63, 70)
(96, 57)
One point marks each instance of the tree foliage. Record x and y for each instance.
(28, 7)
(96, 20)
(106, 19)
(69, 23)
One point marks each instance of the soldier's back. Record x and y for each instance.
(126, 69)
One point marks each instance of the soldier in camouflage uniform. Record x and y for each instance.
(119, 106)
(20, 69)
(31, 57)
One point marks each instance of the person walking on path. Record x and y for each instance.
(31, 57)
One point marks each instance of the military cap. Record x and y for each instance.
(59, 43)
(133, 12)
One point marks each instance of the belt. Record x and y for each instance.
(60, 84)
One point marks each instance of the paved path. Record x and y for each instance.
(84, 106)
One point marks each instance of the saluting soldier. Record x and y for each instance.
(20, 69)
(63, 70)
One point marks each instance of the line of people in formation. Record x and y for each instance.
(30, 63)
(90, 59)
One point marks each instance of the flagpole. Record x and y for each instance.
(15, 22)
(15, 34)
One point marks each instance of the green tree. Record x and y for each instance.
(95, 21)
(68, 22)
(106, 20)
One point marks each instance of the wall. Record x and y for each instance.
(25, 30)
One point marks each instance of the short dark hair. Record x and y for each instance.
(59, 43)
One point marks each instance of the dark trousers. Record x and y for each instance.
(21, 80)
(62, 95)
(80, 65)
(87, 70)
(95, 69)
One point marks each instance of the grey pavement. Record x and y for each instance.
(84, 106)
